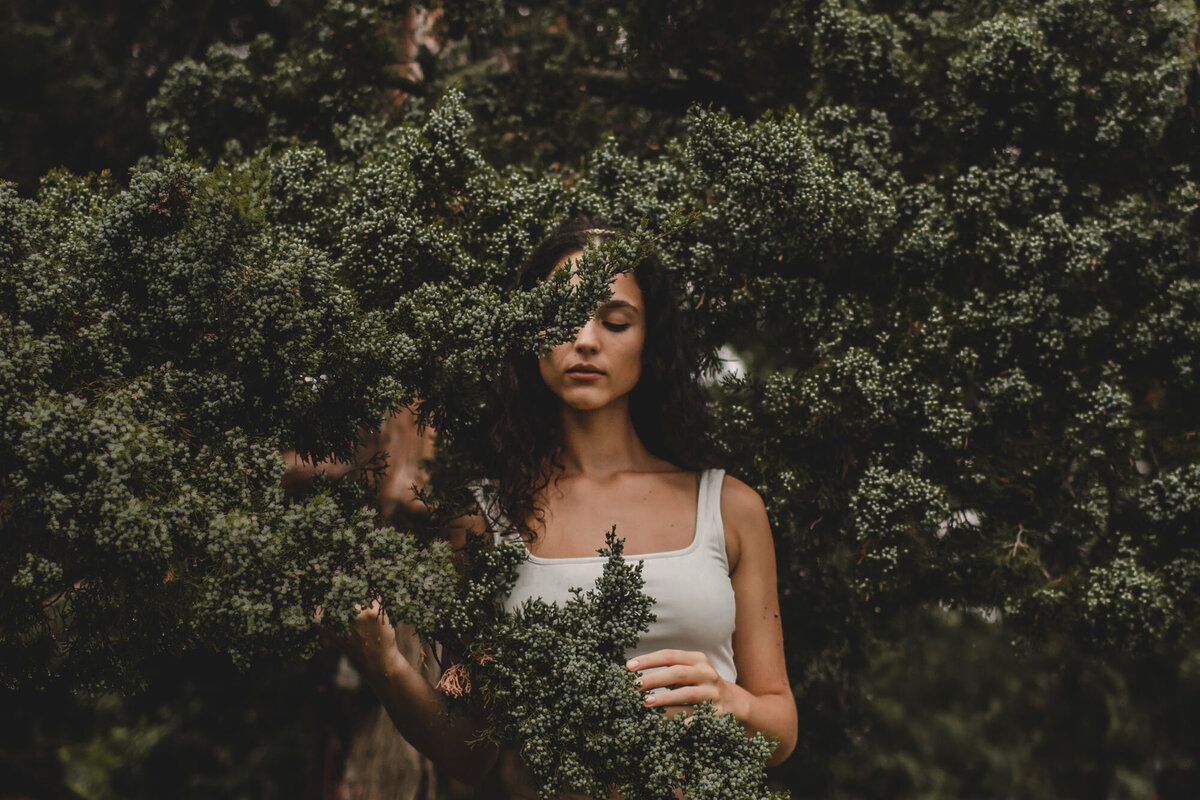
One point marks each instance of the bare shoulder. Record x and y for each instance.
(744, 516)
(739, 499)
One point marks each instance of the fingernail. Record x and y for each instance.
(631, 664)
(649, 701)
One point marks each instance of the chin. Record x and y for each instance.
(584, 401)
(582, 404)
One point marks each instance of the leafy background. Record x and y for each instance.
(955, 248)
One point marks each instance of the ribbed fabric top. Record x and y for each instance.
(694, 600)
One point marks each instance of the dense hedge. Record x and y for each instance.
(956, 247)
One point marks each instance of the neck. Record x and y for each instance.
(601, 442)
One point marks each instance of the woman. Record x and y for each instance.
(608, 429)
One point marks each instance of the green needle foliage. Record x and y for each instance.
(956, 246)
(164, 342)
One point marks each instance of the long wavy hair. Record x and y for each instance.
(669, 411)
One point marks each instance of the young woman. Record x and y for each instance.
(609, 429)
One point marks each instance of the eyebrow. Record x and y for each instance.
(614, 305)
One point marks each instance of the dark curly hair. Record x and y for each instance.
(669, 411)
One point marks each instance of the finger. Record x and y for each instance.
(663, 658)
(683, 696)
(677, 675)
(372, 613)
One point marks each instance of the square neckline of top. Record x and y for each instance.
(682, 551)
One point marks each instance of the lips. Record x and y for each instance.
(584, 370)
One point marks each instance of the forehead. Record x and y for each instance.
(624, 285)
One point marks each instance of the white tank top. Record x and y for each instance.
(694, 600)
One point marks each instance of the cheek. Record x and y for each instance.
(547, 366)
(634, 358)
(546, 370)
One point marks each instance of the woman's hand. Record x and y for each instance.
(689, 678)
(370, 643)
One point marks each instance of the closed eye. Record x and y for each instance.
(616, 327)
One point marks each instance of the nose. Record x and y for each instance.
(586, 341)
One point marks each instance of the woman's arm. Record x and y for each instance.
(762, 697)
(758, 636)
(417, 709)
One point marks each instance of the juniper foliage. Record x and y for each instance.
(167, 340)
(163, 342)
(956, 245)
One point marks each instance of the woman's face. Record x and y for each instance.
(604, 362)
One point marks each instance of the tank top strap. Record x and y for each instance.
(710, 529)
